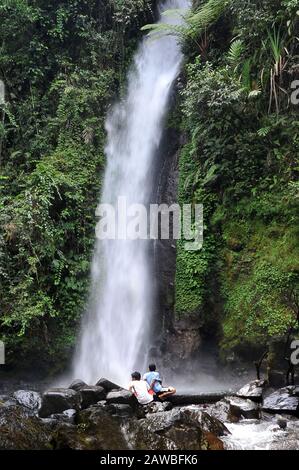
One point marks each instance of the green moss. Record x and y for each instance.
(258, 282)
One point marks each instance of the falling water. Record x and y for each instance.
(116, 330)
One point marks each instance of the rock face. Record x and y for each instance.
(31, 400)
(253, 390)
(184, 341)
(58, 400)
(164, 254)
(283, 400)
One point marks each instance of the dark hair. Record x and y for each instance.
(136, 376)
(152, 367)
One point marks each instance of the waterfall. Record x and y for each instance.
(115, 332)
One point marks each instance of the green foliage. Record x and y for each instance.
(241, 162)
(62, 65)
(193, 268)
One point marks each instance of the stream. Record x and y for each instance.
(262, 434)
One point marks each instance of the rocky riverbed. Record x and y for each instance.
(105, 416)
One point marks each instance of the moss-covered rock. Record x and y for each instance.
(20, 431)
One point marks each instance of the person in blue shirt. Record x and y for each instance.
(154, 381)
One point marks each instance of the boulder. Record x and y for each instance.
(68, 416)
(31, 400)
(122, 397)
(282, 423)
(253, 390)
(120, 410)
(198, 399)
(77, 385)
(57, 400)
(20, 431)
(243, 408)
(221, 410)
(91, 395)
(107, 385)
(207, 422)
(96, 430)
(158, 407)
(178, 429)
(283, 400)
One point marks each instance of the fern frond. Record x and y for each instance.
(264, 131)
(206, 15)
(194, 23)
(235, 52)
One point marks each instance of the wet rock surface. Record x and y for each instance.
(253, 390)
(58, 400)
(184, 429)
(198, 399)
(28, 399)
(107, 385)
(68, 416)
(283, 400)
(122, 397)
(91, 395)
(242, 408)
(77, 385)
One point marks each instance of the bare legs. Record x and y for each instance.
(171, 391)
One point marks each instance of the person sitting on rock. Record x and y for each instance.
(140, 389)
(155, 383)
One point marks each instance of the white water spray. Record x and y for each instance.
(116, 330)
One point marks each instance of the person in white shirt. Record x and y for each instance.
(140, 389)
